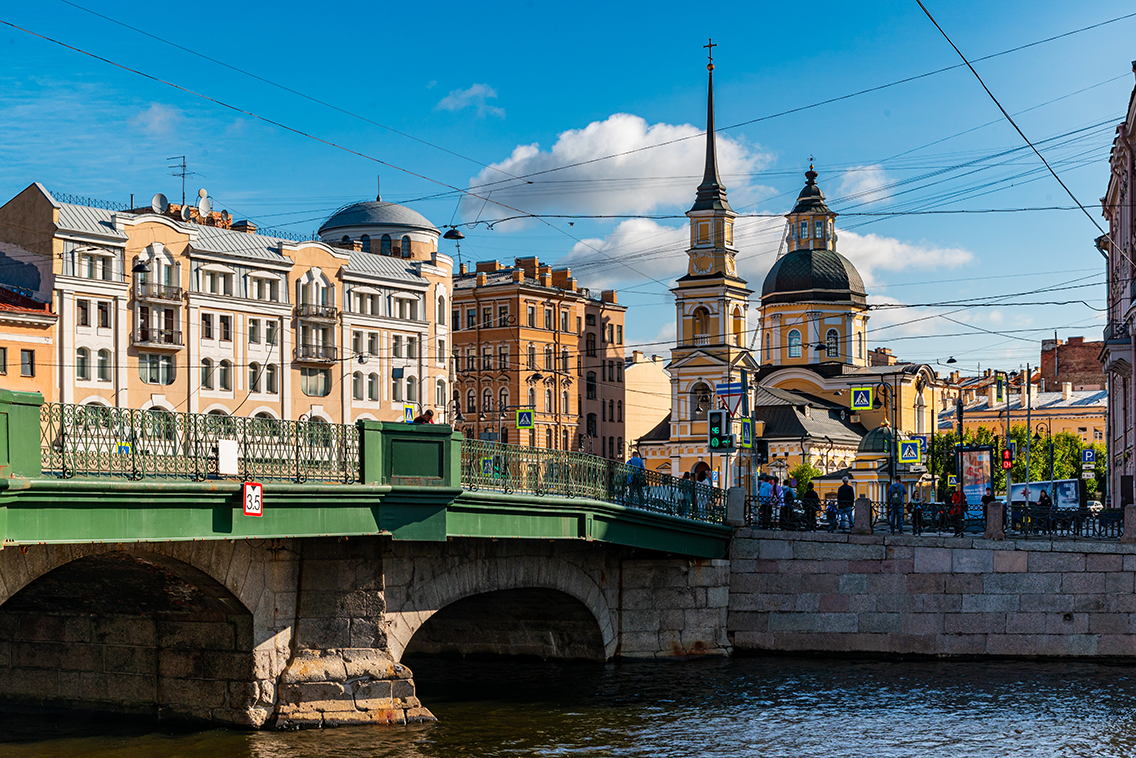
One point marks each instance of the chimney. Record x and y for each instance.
(991, 395)
(1066, 390)
(481, 279)
(608, 296)
(636, 356)
(461, 270)
(489, 266)
(545, 278)
(244, 225)
(518, 275)
(654, 359)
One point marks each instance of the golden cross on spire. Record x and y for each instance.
(710, 52)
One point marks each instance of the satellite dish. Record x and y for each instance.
(159, 203)
(202, 193)
(226, 216)
(204, 205)
(185, 213)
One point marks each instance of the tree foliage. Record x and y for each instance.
(804, 474)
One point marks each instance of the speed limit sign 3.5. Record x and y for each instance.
(253, 495)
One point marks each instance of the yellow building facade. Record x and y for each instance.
(177, 309)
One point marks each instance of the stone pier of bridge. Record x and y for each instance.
(311, 632)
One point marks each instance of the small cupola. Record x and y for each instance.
(811, 223)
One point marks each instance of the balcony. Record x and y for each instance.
(1116, 357)
(699, 340)
(154, 291)
(316, 312)
(317, 353)
(148, 336)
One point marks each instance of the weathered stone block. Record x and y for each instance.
(921, 624)
(1108, 623)
(853, 584)
(1104, 562)
(964, 583)
(1021, 584)
(182, 664)
(932, 560)
(879, 623)
(974, 623)
(1119, 583)
(862, 603)
(883, 584)
(962, 644)
(775, 550)
(747, 622)
(718, 597)
(1009, 561)
(311, 666)
(832, 603)
(821, 584)
(896, 603)
(1046, 603)
(938, 603)
(1066, 623)
(807, 603)
(130, 660)
(138, 688)
(835, 551)
(866, 567)
(1059, 562)
(926, 583)
(1025, 623)
(196, 635)
(1090, 603)
(972, 561)
(989, 603)
(1121, 645)
(1082, 584)
(227, 665)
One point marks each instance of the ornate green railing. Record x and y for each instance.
(89, 441)
(538, 471)
(99, 441)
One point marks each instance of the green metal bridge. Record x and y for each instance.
(102, 474)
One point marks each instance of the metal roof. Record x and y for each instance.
(377, 213)
(211, 239)
(83, 220)
(1041, 401)
(384, 266)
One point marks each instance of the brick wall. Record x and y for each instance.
(1074, 361)
(940, 596)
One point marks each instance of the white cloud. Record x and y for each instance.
(158, 119)
(864, 184)
(635, 181)
(636, 249)
(871, 253)
(473, 97)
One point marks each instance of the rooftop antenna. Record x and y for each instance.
(378, 189)
(182, 173)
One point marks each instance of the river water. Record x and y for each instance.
(768, 707)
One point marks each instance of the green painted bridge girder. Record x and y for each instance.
(44, 511)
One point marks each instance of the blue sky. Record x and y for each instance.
(522, 87)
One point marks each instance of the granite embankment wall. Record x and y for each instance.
(935, 596)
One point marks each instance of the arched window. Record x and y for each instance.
(590, 342)
(385, 245)
(611, 410)
(470, 402)
(532, 357)
(591, 385)
(406, 247)
(357, 385)
(859, 344)
(739, 327)
(564, 407)
(701, 323)
(345, 241)
(372, 387)
(104, 366)
(794, 344)
(411, 389)
(83, 364)
(768, 347)
(366, 240)
(619, 407)
(440, 315)
(564, 360)
(487, 400)
(699, 401)
(548, 401)
(548, 358)
(440, 394)
(206, 374)
(565, 440)
(270, 379)
(591, 425)
(225, 376)
(502, 399)
(832, 344)
(254, 377)
(532, 399)
(548, 438)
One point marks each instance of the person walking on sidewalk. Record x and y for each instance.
(896, 496)
(845, 501)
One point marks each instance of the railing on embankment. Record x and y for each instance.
(88, 441)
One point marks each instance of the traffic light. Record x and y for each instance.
(761, 451)
(1007, 459)
(718, 431)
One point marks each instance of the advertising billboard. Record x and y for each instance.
(976, 471)
(1066, 492)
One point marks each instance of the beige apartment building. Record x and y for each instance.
(528, 337)
(185, 310)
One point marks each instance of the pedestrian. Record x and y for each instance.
(987, 500)
(845, 501)
(424, 418)
(811, 503)
(896, 495)
(765, 501)
(958, 511)
(789, 498)
(916, 513)
(686, 488)
(638, 471)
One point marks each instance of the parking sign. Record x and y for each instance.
(1088, 456)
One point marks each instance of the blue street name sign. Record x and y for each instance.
(862, 398)
(525, 419)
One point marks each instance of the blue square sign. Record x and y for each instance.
(1089, 456)
(922, 439)
(862, 398)
(525, 419)
(909, 451)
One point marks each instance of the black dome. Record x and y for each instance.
(813, 275)
(811, 199)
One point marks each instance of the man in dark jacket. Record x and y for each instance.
(845, 498)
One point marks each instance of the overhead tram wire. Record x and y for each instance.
(287, 89)
(315, 138)
(1022, 134)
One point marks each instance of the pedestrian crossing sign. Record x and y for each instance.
(747, 433)
(408, 414)
(909, 451)
(525, 419)
(486, 466)
(862, 398)
(952, 480)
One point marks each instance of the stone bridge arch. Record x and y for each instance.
(417, 588)
(204, 636)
